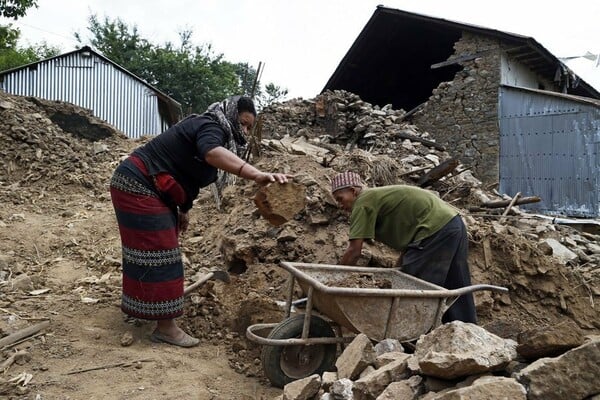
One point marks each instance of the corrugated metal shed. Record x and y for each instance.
(550, 147)
(90, 80)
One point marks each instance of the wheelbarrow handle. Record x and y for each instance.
(473, 288)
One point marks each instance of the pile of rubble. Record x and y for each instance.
(49, 149)
(334, 123)
(46, 144)
(552, 270)
(461, 361)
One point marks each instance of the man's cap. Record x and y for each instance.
(344, 180)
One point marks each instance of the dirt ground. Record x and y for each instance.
(60, 261)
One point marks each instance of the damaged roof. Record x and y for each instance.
(406, 54)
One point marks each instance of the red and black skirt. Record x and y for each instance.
(152, 263)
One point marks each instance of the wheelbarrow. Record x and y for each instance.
(384, 303)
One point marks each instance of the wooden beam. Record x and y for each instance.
(504, 203)
(23, 333)
(512, 203)
(438, 172)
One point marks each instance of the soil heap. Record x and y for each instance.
(59, 233)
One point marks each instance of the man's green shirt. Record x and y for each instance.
(398, 215)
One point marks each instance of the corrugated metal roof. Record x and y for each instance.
(171, 106)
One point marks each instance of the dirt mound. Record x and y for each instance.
(60, 250)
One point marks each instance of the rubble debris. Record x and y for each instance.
(54, 187)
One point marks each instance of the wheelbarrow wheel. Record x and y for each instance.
(285, 364)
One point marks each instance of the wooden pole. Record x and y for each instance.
(504, 203)
(23, 333)
(512, 203)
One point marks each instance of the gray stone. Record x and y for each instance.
(327, 379)
(407, 389)
(356, 357)
(22, 282)
(460, 349)
(559, 251)
(573, 375)
(342, 389)
(387, 358)
(302, 389)
(388, 345)
(372, 385)
(366, 371)
(550, 341)
(593, 248)
(432, 384)
(487, 388)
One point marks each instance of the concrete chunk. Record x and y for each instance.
(302, 389)
(342, 389)
(460, 349)
(387, 358)
(407, 389)
(327, 379)
(559, 251)
(487, 388)
(356, 357)
(550, 341)
(388, 345)
(372, 385)
(573, 375)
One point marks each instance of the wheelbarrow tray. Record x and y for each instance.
(407, 308)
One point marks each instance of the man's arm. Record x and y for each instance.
(352, 253)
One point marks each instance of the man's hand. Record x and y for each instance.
(352, 253)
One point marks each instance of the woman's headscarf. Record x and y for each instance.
(227, 115)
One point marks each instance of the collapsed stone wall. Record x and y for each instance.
(463, 114)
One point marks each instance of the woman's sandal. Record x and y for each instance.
(185, 341)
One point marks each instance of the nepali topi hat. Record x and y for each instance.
(345, 180)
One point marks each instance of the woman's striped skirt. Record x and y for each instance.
(152, 264)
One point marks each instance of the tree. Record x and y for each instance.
(247, 76)
(271, 93)
(11, 55)
(15, 8)
(193, 75)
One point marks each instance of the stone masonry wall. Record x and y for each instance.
(462, 114)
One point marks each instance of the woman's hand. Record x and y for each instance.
(184, 221)
(264, 178)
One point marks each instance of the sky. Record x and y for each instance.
(301, 42)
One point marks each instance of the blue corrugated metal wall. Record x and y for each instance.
(550, 147)
(90, 82)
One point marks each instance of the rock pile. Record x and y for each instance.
(46, 144)
(552, 270)
(393, 151)
(457, 360)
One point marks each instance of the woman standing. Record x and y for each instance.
(152, 192)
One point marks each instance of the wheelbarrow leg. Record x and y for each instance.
(290, 295)
(395, 304)
(308, 315)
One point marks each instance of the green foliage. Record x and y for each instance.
(193, 75)
(271, 93)
(15, 8)
(11, 55)
(247, 76)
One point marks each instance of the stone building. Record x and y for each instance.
(500, 102)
